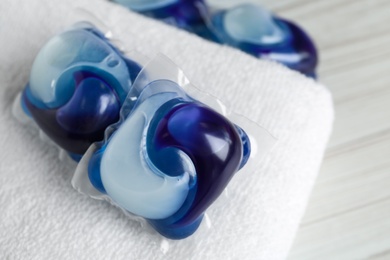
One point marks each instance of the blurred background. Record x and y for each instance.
(348, 216)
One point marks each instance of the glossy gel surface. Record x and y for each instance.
(77, 85)
(254, 25)
(169, 160)
(257, 32)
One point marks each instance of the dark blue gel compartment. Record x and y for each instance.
(78, 84)
(212, 144)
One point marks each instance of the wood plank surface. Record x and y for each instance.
(348, 216)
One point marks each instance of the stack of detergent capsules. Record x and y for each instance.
(247, 27)
(142, 142)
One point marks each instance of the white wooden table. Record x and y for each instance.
(348, 216)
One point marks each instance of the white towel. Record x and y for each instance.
(42, 217)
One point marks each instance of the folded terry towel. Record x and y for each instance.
(42, 217)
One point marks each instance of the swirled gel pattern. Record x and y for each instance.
(257, 32)
(78, 83)
(169, 159)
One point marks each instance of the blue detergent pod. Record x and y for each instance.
(77, 85)
(256, 31)
(169, 159)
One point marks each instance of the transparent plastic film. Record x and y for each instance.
(172, 154)
(81, 70)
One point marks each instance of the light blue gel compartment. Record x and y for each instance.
(78, 83)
